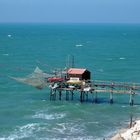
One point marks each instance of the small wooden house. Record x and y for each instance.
(81, 74)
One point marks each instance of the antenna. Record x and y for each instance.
(70, 61)
(72, 65)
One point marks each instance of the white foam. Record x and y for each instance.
(9, 35)
(69, 129)
(49, 116)
(29, 126)
(122, 58)
(27, 130)
(78, 45)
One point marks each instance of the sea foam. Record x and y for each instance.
(122, 58)
(49, 116)
(78, 45)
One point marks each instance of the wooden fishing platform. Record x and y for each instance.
(70, 82)
(92, 88)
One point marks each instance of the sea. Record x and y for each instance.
(111, 52)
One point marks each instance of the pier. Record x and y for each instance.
(76, 82)
(92, 89)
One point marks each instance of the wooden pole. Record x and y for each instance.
(67, 95)
(60, 94)
(111, 97)
(111, 94)
(50, 94)
(54, 95)
(131, 121)
(72, 95)
(84, 95)
(131, 100)
(81, 96)
(87, 96)
(60, 91)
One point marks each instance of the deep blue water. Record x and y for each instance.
(110, 52)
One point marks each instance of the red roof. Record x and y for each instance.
(76, 71)
(55, 79)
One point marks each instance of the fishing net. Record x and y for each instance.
(37, 79)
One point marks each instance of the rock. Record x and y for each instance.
(117, 137)
(129, 134)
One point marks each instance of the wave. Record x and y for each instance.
(49, 116)
(68, 129)
(58, 132)
(44, 131)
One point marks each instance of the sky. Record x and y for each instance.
(70, 11)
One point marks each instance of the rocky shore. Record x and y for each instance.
(132, 133)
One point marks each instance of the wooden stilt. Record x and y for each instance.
(84, 95)
(87, 96)
(72, 95)
(67, 95)
(131, 121)
(111, 94)
(50, 94)
(131, 100)
(81, 96)
(111, 97)
(60, 94)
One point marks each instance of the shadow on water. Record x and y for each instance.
(99, 101)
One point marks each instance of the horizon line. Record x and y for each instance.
(70, 23)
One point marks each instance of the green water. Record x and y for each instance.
(110, 52)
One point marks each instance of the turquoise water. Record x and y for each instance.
(110, 52)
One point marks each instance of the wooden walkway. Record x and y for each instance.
(93, 88)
